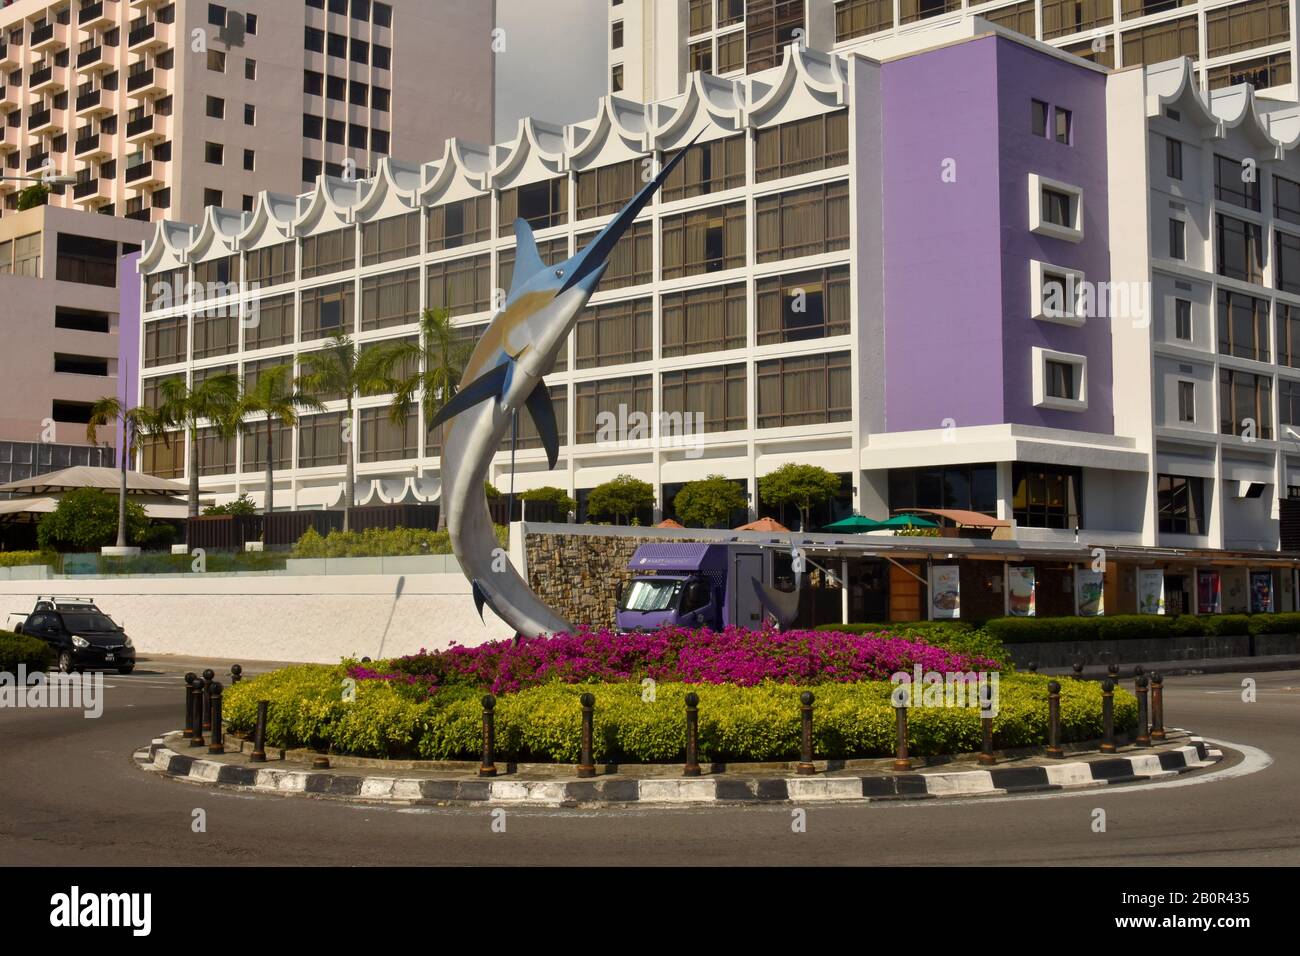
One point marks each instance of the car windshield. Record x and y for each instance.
(84, 621)
(651, 594)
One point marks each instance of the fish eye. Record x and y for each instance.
(559, 273)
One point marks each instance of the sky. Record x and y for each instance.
(568, 36)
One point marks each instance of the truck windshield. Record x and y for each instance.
(83, 621)
(651, 594)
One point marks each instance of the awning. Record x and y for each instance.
(88, 476)
(32, 508)
(969, 519)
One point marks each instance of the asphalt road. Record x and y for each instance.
(70, 795)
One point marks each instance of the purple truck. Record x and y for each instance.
(697, 585)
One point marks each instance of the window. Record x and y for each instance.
(1055, 209)
(1288, 335)
(707, 168)
(1046, 496)
(967, 487)
(461, 286)
(616, 35)
(216, 15)
(334, 131)
(254, 445)
(250, 69)
(271, 324)
(216, 333)
(1236, 182)
(1240, 252)
(729, 12)
(855, 18)
(1160, 41)
(383, 15)
(337, 45)
(391, 299)
(802, 146)
(731, 52)
(1056, 293)
(78, 320)
(249, 160)
(703, 241)
(605, 190)
(387, 240)
(543, 205)
(1173, 159)
(770, 29)
(716, 393)
(246, 203)
(615, 334)
(314, 40)
(460, 223)
(631, 262)
(610, 396)
(700, 16)
(703, 320)
(270, 265)
(1064, 125)
(1288, 404)
(802, 306)
(216, 107)
(328, 252)
(327, 311)
(1183, 320)
(27, 255)
(358, 93)
(80, 365)
(312, 126)
(357, 136)
(804, 390)
(214, 153)
(383, 57)
(616, 78)
(699, 57)
(164, 341)
(250, 114)
(311, 168)
(379, 141)
(379, 98)
(1063, 17)
(1186, 401)
(217, 61)
(1038, 117)
(1060, 380)
(1286, 264)
(805, 222)
(313, 83)
(1245, 404)
(1245, 26)
(1243, 326)
(381, 440)
(1178, 239)
(359, 51)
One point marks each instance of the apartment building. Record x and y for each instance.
(654, 44)
(61, 323)
(161, 109)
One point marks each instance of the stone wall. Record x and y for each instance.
(582, 576)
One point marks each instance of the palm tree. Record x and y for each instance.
(276, 396)
(439, 357)
(136, 423)
(342, 368)
(183, 406)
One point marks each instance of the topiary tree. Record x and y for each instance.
(800, 485)
(87, 519)
(551, 495)
(709, 502)
(620, 498)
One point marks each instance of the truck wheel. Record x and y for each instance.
(65, 662)
(126, 670)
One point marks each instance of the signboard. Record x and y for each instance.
(1090, 589)
(1209, 593)
(1151, 591)
(1261, 592)
(1021, 588)
(945, 591)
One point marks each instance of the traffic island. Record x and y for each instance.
(441, 783)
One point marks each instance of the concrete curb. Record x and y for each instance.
(1072, 775)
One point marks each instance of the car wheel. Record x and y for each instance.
(65, 662)
(126, 670)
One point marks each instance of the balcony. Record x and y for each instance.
(143, 175)
(92, 103)
(86, 192)
(10, 56)
(8, 97)
(139, 215)
(38, 81)
(47, 38)
(90, 60)
(40, 121)
(99, 14)
(9, 137)
(92, 146)
(38, 161)
(144, 83)
(144, 38)
(142, 129)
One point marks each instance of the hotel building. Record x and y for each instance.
(161, 109)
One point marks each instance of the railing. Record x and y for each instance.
(41, 34)
(140, 35)
(86, 143)
(91, 11)
(137, 80)
(83, 189)
(38, 118)
(87, 57)
(139, 171)
(38, 77)
(140, 215)
(86, 100)
(39, 161)
(142, 125)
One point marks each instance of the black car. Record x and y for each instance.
(81, 638)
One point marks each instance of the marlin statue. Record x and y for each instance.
(504, 374)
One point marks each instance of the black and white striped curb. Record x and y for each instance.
(1075, 775)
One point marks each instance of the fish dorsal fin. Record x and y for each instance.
(528, 261)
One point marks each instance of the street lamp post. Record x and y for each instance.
(45, 179)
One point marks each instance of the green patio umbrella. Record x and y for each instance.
(907, 521)
(853, 523)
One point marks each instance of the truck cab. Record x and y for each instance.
(688, 584)
(654, 601)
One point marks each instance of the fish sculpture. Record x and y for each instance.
(505, 374)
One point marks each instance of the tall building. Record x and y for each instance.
(654, 44)
(163, 108)
(61, 324)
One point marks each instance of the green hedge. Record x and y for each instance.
(379, 543)
(18, 649)
(989, 638)
(23, 559)
(736, 723)
(961, 637)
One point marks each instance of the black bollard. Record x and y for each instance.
(188, 732)
(1139, 670)
(1108, 716)
(197, 694)
(1054, 720)
(236, 674)
(586, 766)
(1143, 738)
(901, 760)
(217, 744)
(1157, 707)
(259, 734)
(692, 768)
(806, 767)
(986, 757)
(208, 676)
(1077, 667)
(1112, 671)
(488, 767)
(1033, 667)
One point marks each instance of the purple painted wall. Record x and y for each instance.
(958, 334)
(128, 337)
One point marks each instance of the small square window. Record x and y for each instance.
(214, 153)
(212, 197)
(1055, 209)
(248, 204)
(313, 83)
(1064, 121)
(216, 15)
(216, 107)
(379, 99)
(1060, 380)
(1183, 320)
(217, 61)
(1057, 294)
(1038, 117)
(383, 58)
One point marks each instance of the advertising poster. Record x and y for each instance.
(1151, 591)
(1261, 592)
(1090, 586)
(1020, 588)
(945, 591)
(1209, 593)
